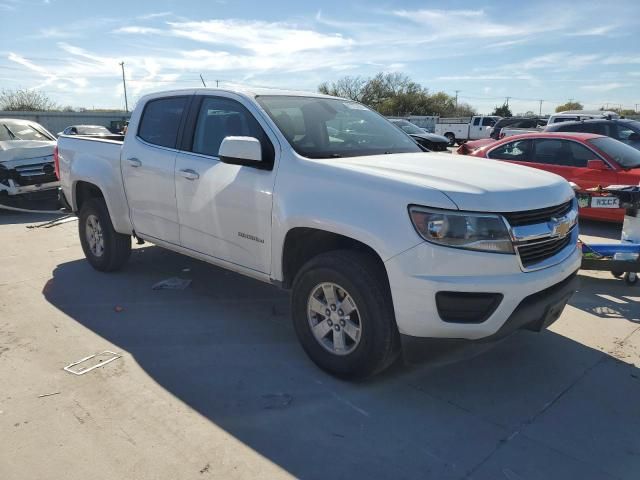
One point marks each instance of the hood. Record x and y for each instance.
(432, 137)
(24, 149)
(474, 184)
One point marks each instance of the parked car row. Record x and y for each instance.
(586, 159)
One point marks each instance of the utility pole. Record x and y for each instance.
(457, 91)
(540, 111)
(217, 83)
(637, 107)
(205, 85)
(507, 101)
(124, 85)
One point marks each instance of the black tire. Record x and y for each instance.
(452, 139)
(365, 281)
(116, 246)
(631, 278)
(617, 273)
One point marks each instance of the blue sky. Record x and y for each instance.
(488, 50)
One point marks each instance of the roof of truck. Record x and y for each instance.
(247, 91)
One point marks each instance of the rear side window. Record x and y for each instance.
(579, 127)
(161, 120)
(597, 128)
(519, 151)
(476, 121)
(564, 153)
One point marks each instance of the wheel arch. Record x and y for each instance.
(304, 243)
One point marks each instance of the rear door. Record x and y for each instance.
(148, 166)
(224, 209)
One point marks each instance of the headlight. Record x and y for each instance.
(472, 231)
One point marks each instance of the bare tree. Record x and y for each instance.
(346, 87)
(25, 100)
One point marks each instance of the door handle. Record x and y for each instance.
(189, 174)
(134, 162)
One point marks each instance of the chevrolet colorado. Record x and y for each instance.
(386, 248)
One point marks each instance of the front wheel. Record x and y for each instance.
(343, 314)
(452, 139)
(105, 249)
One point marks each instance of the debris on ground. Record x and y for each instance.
(55, 222)
(92, 362)
(118, 308)
(48, 394)
(173, 283)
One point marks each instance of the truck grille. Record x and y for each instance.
(543, 237)
(541, 215)
(532, 253)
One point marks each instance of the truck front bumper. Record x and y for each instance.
(520, 299)
(536, 312)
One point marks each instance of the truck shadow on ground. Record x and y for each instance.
(533, 406)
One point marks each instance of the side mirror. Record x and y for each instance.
(240, 151)
(634, 137)
(596, 165)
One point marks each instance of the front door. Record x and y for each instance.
(148, 165)
(224, 209)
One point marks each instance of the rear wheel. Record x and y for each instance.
(452, 139)
(105, 249)
(343, 314)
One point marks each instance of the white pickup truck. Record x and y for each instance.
(386, 248)
(462, 129)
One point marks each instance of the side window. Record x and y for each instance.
(161, 120)
(488, 122)
(519, 150)
(476, 121)
(578, 127)
(580, 155)
(564, 153)
(222, 117)
(596, 127)
(625, 132)
(549, 151)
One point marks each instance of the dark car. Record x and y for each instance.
(516, 122)
(430, 141)
(625, 130)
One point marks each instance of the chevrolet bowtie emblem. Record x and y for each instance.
(559, 226)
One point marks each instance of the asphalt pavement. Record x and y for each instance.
(212, 382)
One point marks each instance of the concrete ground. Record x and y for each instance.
(213, 384)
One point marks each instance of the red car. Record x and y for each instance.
(586, 159)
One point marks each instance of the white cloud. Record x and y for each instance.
(605, 87)
(593, 32)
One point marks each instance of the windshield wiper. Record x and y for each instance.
(13, 135)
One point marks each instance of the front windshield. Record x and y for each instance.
(20, 131)
(409, 127)
(623, 154)
(332, 128)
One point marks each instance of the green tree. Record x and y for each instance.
(570, 105)
(503, 111)
(395, 94)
